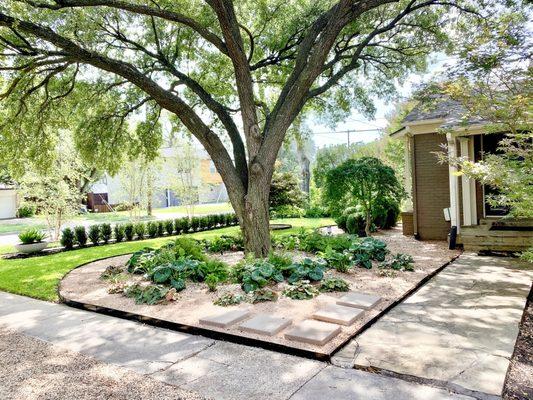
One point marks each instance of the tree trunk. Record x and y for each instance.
(254, 220)
(368, 223)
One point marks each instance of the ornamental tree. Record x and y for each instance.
(235, 75)
(364, 181)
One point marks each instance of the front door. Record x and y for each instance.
(489, 145)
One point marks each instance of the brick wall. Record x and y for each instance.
(432, 187)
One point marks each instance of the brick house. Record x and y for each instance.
(445, 205)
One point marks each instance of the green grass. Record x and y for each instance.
(116, 217)
(39, 277)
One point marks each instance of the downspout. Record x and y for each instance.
(454, 190)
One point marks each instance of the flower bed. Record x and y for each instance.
(187, 280)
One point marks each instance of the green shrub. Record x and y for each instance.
(287, 211)
(355, 224)
(262, 295)
(211, 282)
(285, 191)
(25, 211)
(228, 219)
(341, 222)
(188, 247)
(94, 234)
(140, 230)
(279, 261)
(301, 290)
(106, 232)
(195, 224)
(81, 235)
(316, 212)
(119, 233)
(229, 299)
(129, 231)
(334, 285)
(169, 227)
(386, 212)
(204, 223)
(67, 238)
(223, 243)
(398, 262)
(257, 274)
(152, 229)
(160, 228)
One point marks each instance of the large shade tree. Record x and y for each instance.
(235, 75)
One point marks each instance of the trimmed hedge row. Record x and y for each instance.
(103, 233)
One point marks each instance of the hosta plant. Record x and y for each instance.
(229, 299)
(258, 274)
(111, 271)
(149, 294)
(399, 262)
(336, 259)
(262, 295)
(334, 285)
(307, 269)
(301, 290)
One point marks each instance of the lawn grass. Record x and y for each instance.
(38, 222)
(39, 277)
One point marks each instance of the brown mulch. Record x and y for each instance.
(519, 381)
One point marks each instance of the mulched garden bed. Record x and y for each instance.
(519, 381)
(83, 287)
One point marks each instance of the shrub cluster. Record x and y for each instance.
(104, 233)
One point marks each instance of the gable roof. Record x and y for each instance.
(442, 108)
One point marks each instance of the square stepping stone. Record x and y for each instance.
(358, 300)
(338, 314)
(313, 332)
(225, 319)
(265, 324)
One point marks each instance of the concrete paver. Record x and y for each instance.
(225, 319)
(358, 300)
(314, 332)
(265, 324)
(338, 314)
(459, 328)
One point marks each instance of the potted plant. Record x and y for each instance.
(32, 241)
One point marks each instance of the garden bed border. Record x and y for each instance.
(233, 338)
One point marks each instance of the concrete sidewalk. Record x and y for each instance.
(211, 368)
(459, 329)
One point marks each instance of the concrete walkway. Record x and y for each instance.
(459, 329)
(213, 369)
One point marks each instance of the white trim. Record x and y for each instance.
(453, 179)
(468, 185)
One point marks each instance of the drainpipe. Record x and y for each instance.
(454, 190)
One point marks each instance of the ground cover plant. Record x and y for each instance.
(39, 277)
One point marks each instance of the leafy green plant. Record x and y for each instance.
(119, 232)
(129, 231)
(81, 235)
(195, 224)
(229, 299)
(279, 261)
(151, 227)
(211, 281)
(111, 271)
(160, 228)
(25, 211)
(140, 230)
(307, 269)
(301, 290)
(31, 235)
(398, 262)
(169, 227)
(258, 274)
(67, 238)
(225, 243)
(334, 285)
(105, 232)
(94, 234)
(188, 247)
(367, 249)
(262, 295)
(335, 259)
(150, 294)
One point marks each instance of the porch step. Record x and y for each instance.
(478, 238)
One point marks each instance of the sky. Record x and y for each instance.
(325, 136)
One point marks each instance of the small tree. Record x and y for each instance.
(285, 190)
(365, 181)
(184, 180)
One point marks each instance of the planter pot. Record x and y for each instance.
(31, 248)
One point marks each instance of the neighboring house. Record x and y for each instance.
(110, 189)
(8, 202)
(444, 204)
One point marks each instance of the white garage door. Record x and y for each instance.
(8, 203)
